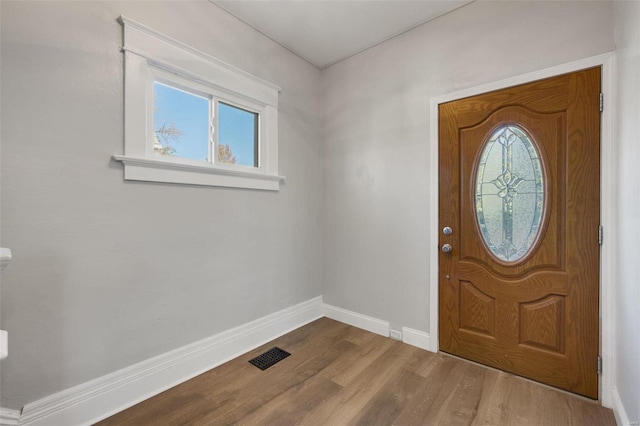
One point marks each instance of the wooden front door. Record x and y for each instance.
(519, 216)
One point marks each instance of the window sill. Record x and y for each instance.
(152, 170)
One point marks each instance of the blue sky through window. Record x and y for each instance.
(237, 129)
(181, 122)
(189, 114)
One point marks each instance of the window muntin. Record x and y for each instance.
(509, 193)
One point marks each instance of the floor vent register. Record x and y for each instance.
(269, 358)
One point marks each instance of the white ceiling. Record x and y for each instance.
(324, 32)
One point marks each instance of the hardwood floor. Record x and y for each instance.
(338, 374)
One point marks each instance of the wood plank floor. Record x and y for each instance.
(338, 375)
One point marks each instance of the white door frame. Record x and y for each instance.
(608, 199)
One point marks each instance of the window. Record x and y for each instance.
(181, 123)
(238, 135)
(196, 125)
(192, 119)
(510, 193)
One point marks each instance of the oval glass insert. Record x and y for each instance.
(509, 193)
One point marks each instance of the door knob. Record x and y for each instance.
(446, 248)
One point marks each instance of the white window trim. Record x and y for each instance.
(147, 54)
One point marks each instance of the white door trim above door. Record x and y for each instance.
(608, 198)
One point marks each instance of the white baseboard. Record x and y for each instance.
(9, 417)
(355, 319)
(618, 409)
(416, 338)
(100, 398)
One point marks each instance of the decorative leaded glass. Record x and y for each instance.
(509, 193)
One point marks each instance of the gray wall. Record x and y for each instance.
(376, 137)
(628, 219)
(108, 273)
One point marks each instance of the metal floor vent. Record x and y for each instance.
(269, 358)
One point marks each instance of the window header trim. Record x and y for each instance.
(166, 52)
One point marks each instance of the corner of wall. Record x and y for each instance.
(9, 417)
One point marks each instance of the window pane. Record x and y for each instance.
(509, 193)
(181, 123)
(238, 136)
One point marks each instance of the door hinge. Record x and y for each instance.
(601, 102)
(600, 234)
(599, 365)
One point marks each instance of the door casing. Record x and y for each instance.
(608, 197)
